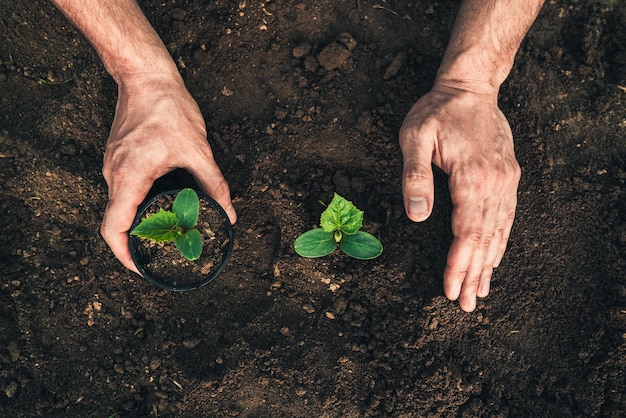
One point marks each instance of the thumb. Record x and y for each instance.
(417, 176)
(118, 218)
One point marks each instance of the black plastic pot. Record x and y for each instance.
(145, 253)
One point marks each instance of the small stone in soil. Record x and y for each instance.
(11, 389)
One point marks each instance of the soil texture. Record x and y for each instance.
(304, 99)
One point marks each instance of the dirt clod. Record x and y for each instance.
(333, 56)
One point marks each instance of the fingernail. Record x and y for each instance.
(456, 292)
(498, 261)
(483, 291)
(418, 206)
(469, 306)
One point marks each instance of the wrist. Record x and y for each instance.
(132, 67)
(484, 42)
(148, 91)
(146, 79)
(472, 73)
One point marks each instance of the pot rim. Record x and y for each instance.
(133, 240)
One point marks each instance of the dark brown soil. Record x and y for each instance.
(167, 266)
(297, 110)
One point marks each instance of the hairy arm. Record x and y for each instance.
(120, 33)
(484, 41)
(459, 127)
(158, 126)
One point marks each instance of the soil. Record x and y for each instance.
(303, 99)
(166, 266)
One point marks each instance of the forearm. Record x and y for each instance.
(484, 41)
(126, 42)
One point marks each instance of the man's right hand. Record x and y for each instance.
(158, 127)
(466, 135)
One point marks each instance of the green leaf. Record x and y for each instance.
(341, 215)
(160, 227)
(186, 207)
(190, 244)
(315, 243)
(361, 245)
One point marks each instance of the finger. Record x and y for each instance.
(508, 207)
(210, 179)
(114, 230)
(506, 231)
(467, 231)
(480, 268)
(469, 287)
(493, 253)
(484, 283)
(118, 219)
(417, 174)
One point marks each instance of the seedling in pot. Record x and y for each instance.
(340, 226)
(177, 225)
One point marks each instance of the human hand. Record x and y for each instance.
(466, 135)
(157, 128)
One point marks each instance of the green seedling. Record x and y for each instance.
(340, 226)
(177, 225)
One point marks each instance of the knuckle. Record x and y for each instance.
(104, 232)
(510, 216)
(106, 171)
(500, 230)
(414, 130)
(474, 280)
(416, 173)
(473, 238)
(222, 187)
(498, 171)
(408, 130)
(487, 240)
(407, 136)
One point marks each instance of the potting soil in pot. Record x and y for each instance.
(163, 261)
